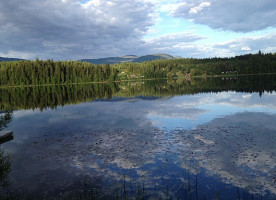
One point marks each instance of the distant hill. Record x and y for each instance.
(128, 58)
(9, 59)
(152, 57)
(109, 60)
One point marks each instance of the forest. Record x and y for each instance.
(38, 72)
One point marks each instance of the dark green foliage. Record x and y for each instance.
(50, 72)
(246, 64)
(152, 57)
(63, 72)
(5, 119)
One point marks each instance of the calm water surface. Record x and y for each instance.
(183, 139)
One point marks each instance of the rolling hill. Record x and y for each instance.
(9, 59)
(128, 58)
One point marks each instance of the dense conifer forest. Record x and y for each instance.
(40, 72)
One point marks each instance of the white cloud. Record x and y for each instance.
(245, 48)
(201, 6)
(174, 43)
(240, 45)
(238, 16)
(186, 37)
(170, 7)
(266, 43)
(73, 30)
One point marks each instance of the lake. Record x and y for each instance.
(204, 138)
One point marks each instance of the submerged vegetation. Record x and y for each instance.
(62, 72)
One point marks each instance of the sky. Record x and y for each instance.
(78, 29)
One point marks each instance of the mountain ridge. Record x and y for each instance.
(115, 59)
(128, 58)
(3, 59)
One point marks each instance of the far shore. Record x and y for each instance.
(136, 79)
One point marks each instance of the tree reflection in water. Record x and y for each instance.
(5, 119)
(44, 97)
(5, 165)
(5, 168)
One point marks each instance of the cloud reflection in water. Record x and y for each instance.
(226, 140)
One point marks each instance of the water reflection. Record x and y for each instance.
(5, 168)
(5, 119)
(202, 146)
(53, 96)
(5, 165)
(189, 111)
(216, 158)
(239, 150)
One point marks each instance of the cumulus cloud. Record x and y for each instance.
(238, 46)
(171, 39)
(67, 29)
(201, 6)
(266, 43)
(238, 16)
(71, 29)
(174, 43)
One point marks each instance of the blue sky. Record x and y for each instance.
(171, 25)
(168, 22)
(71, 29)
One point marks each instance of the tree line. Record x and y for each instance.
(245, 64)
(40, 72)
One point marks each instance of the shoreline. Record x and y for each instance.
(134, 80)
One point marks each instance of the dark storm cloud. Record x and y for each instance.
(70, 30)
(237, 16)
